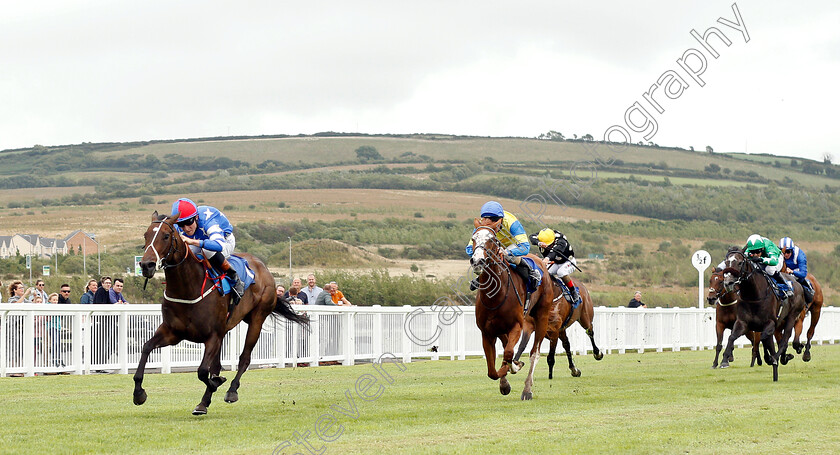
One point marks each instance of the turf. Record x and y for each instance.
(631, 403)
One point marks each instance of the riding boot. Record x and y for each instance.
(222, 266)
(575, 296)
(809, 291)
(528, 274)
(783, 285)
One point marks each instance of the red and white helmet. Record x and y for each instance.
(185, 209)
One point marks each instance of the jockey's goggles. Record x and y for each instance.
(186, 222)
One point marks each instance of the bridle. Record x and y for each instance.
(718, 293)
(495, 258)
(161, 262)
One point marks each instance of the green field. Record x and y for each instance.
(631, 403)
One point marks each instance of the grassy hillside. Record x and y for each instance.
(645, 209)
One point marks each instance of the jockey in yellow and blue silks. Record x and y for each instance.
(796, 261)
(767, 255)
(208, 232)
(513, 238)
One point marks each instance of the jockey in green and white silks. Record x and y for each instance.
(513, 238)
(768, 256)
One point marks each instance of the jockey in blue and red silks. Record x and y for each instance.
(513, 238)
(796, 261)
(207, 231)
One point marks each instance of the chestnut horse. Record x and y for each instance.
(759, 309)
(815, 308)
(724, 303)
(499, 312)
(562, 316)
(192, 313)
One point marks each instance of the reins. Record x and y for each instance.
(161, 262)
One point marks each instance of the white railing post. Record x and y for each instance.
(77, 335)
(406, 341)
(280, 343)
(3, 336)
(87, 341)
(461, 327)
(122, 355)
(642, 329)
(349, 348)
(676, 333)
(28, 345)
(315, 340)
(376, 337)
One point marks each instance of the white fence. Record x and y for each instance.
(36, 338)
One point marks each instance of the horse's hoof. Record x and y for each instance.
(527, 396)
(550, 376)
(599, 356)
(724, 365)
(714, 365)
(806, 357)
(231, 396)
(731, 358)
(575, 373)
(200, 410)
(504, 388)
(797, 347)
(787, 358)
(140, 398)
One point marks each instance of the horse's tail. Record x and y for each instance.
(283, 308)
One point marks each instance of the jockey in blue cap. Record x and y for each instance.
(513, 238)
(796, 261)
(207, 231)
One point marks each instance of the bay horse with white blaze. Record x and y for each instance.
(499, 312)
(192, 313)
(561, 317)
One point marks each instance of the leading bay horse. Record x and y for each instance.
(499, 312)
(815, 308)
(562, 316)
(724, 303)
(192, 313)
(759, 309)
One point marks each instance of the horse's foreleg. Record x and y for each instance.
(737, 330)
(783, 342)
(163, 337)
(769, 348)
(251, 338)
(797, 331)
(595, 351)
(489, 345)
(212, 353)
(815, 317)
(719, 331)
(756, 355)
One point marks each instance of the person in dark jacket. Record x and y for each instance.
(90, 291)
(64, 294)
(636, 301)
(101, 295)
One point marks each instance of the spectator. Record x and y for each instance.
(19, 294)
(337, 296)
(39, 290)
(115, 293)
(325, 297)
(281, 291)
(312, 290)
(101, 295)
(64, 294)
(636, 301)
(295, 295)
(90, 291)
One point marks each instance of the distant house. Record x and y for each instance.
(44, 247)
(82, 242)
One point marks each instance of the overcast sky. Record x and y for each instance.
(110, 70)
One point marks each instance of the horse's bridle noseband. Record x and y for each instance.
(161, 261)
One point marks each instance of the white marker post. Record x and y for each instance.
(701, 260)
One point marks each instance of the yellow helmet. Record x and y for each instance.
(546, 236)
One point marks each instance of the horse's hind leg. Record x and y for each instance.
(756, 342)
(552, 348)
(595, 351)
(719, 345)
(564, 338)
(815, 317)
(797, 331)
(212, 353)
(163, 337)
(251, 338)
